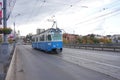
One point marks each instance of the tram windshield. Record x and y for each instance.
(56, 37)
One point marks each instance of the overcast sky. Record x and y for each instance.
(74, 16)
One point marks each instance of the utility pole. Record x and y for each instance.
(4, 19)
(14, 24)
(4, 52)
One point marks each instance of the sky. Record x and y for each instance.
(73, 16)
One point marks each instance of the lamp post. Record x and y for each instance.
(4, 20)
(4, 52)
(15, 25)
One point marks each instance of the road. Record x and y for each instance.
(110, 58)
(37, 65)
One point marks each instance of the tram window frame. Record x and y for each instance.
(36, 39)
(39, 38)
(44, 37)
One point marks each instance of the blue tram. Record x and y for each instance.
(49, 40)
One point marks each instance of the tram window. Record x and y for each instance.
(33, 39)
(37, 39)
(49, 38)
(42, 38)
(57, 36)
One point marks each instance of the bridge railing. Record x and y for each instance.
(103, 47)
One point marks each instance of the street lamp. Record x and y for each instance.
(14, 25)
(4, 48)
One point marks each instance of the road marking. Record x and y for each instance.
(95, 62)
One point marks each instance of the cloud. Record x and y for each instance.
(70, 15)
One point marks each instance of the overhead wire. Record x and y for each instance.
(96, 17)
(100, 19)
(54, 10)
(101, 10)
(103, 15)
(98, 22)
(70, 7)
(10, 6)
(95, 21)
(32, 11)
(62, 4)
(37, 11)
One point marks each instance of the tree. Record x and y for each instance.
(79, 40)
(84, 39)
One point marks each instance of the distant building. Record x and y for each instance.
(116, 38)
(70, 38)
(99, 36)
(39, 31)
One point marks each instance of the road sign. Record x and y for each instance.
(4, 52)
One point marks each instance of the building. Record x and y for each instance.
(116, 38)
(39, 31)
(70, 38)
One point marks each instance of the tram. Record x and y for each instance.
(49, 40)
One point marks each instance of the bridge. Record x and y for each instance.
(71, 64)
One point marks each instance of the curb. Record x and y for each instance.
(11, 70)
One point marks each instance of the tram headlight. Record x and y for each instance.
(54, 46)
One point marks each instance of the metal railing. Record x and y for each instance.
(102, 47)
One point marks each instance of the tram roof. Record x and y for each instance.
(50, 30)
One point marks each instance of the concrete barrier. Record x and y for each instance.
(11, 70)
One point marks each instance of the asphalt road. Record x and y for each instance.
(38, 65)
(106, 57)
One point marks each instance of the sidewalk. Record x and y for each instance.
(16, 71)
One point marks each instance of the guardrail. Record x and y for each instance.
(102, 47)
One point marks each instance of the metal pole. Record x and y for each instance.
(14, 35)
(14, 31)
(4, 20)
(4, 52)
(14, 24)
